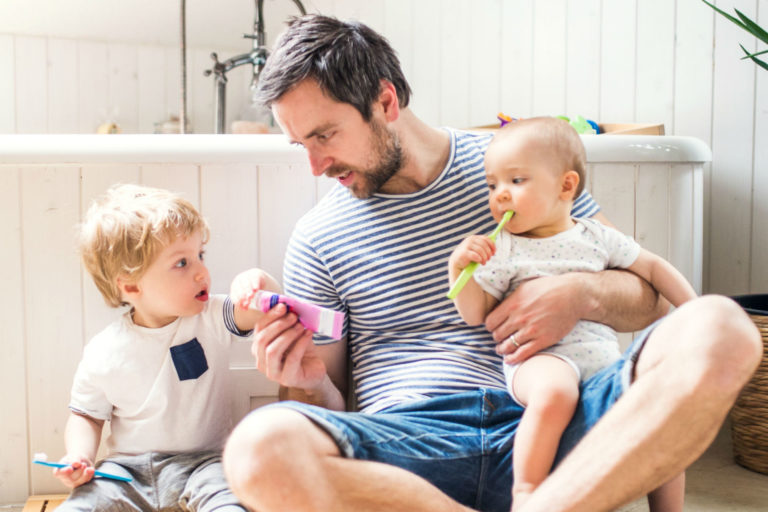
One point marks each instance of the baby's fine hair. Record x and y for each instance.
(126, 228)
(559, 138)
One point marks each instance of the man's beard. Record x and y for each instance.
(388, 155)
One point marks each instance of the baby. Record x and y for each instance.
(535, 167)
(159, 374)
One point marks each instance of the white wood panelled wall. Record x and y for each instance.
(669, 61)
(73, 86)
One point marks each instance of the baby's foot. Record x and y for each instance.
(520, 495)
(518, 500)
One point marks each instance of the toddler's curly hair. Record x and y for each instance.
(126, 228)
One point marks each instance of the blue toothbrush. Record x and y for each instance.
(40, 460)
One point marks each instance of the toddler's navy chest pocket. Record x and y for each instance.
(189, 359)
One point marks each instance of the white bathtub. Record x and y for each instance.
(251, 189)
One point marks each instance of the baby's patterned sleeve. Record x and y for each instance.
(622, 250)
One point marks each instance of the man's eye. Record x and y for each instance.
(201, 255)
(492, 186)
(518, 181)
(181, 263)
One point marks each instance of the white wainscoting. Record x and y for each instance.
(252, 189)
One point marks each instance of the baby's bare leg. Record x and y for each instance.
(669, 497)
(549, 389)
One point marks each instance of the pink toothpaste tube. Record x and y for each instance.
(313, 317)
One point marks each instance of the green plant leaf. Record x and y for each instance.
(726, 15)
(750, 55)
(761, 63)
(753, 28)
(754, 59)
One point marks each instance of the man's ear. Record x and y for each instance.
(388, 100)
(569, 184)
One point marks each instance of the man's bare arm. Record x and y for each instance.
(623, 300)
(332, 394)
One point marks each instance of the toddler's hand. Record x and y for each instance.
(246, 284)
(79, 471)
(476, 248)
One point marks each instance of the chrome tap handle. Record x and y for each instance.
(219, 69)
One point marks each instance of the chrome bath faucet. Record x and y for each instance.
(257, 57)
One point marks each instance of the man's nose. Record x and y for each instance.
(319, 163)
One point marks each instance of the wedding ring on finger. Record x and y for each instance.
(514, 341)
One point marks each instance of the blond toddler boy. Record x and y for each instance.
(159, 374)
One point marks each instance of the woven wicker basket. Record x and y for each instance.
(749, 416)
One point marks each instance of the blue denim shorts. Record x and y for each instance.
(462, 443)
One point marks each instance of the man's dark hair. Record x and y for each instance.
(347, 59)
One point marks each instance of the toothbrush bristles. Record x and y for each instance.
(41, 457)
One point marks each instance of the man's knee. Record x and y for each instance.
(710, 343)
(259, 449)
(730, 346)
(739, 335)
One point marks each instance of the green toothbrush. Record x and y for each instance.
(469, 269)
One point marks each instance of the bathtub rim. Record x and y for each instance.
(275, 149)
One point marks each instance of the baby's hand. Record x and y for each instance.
(79, 471)
(476, 248)
(246, 284)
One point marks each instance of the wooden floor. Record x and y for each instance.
(715, 483)
(44, 503)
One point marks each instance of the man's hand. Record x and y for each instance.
(539, 313)
(284, 351)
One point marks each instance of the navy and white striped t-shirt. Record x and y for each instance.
(383, 261)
